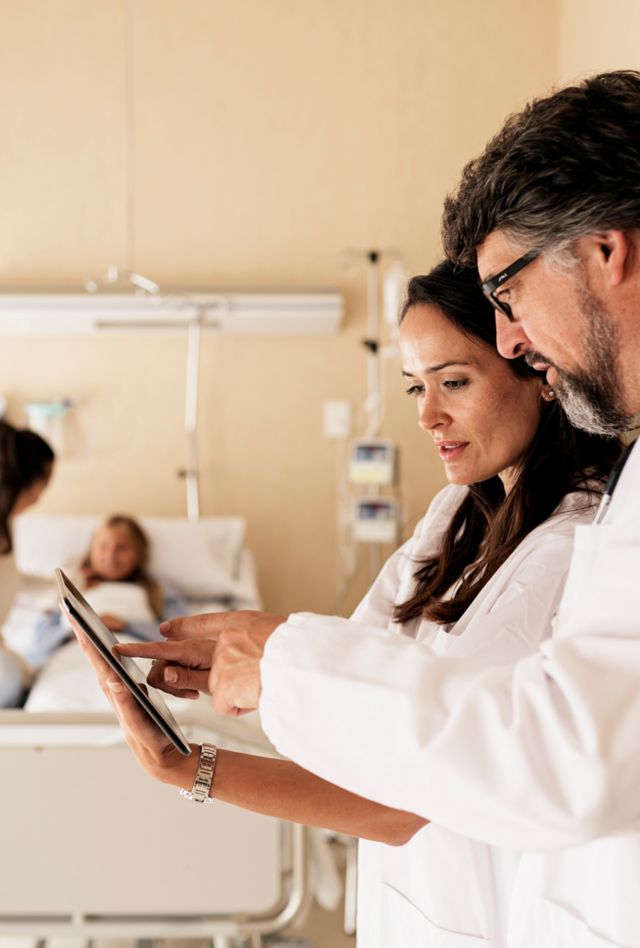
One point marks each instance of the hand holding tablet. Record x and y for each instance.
(125, 668)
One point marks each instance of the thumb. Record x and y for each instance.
(180, 678)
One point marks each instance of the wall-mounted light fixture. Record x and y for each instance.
(77, 313)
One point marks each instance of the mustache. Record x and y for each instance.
(532, 357)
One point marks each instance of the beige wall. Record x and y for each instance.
(594, 37)
(270, 136)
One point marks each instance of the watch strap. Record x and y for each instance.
(201, 790)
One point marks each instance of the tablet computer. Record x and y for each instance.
(125, 668)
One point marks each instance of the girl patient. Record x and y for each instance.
(113, 577)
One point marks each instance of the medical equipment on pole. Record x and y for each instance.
(372, 461)
(368, 506)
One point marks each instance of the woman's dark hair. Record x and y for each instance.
(489, 525)
(25, 459)
(139, 574)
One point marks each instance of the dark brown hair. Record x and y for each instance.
(488, 526)
(139, 574)
(568, 165)
(25, 459)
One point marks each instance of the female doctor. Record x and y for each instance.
(482, 575)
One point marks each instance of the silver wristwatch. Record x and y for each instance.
(201, 789)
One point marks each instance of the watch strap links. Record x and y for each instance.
(201, 790)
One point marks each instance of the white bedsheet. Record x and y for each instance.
(67, 684)
(37, 595)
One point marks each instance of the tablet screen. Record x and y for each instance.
(126, 668)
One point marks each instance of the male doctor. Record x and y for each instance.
(544, 755)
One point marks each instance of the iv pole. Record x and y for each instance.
(374, 407)
(372, 344)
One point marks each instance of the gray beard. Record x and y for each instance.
(591, 397)
(584, 406)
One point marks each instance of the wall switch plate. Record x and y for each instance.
(336, 419)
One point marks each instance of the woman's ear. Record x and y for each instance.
(547, 393)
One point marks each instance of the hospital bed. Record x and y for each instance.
(91, 846)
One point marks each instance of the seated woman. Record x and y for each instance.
(114, 579)
(26, 465)
(483, 574)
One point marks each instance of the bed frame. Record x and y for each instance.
(92, 847)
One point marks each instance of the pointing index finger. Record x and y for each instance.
(192, 653)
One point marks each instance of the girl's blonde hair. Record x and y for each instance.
(139, 575)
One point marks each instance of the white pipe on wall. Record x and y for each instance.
(191, 472)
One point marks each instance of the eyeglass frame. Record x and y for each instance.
(490, 286)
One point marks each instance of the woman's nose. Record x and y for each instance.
(430, 415)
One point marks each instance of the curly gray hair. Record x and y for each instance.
(566, 166)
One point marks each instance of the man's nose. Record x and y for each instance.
(511, 339)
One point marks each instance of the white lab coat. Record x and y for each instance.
(541, 754)
(442, 888)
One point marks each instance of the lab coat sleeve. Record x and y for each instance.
(536, 753)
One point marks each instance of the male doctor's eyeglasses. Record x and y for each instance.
(490, 287)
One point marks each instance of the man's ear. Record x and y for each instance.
(613, 249)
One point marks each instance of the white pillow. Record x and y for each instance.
(201, 558)
(43, 541)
